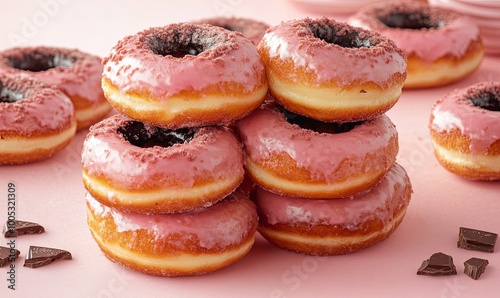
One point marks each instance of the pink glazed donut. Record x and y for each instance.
(253, 29)
(75, 73)
(36, 120)
(298, 156)
(442, 46)
(465, 131)
(190, 243)
(331, 227)
(185, 75)
(331, 71)
(138, 167)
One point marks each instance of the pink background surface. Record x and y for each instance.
(51, 192)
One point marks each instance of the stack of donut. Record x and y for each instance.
(163, 175)
(46, 95)
(320, 149)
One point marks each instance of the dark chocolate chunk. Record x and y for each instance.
(17, 228)
(40, 256)
(8, 255)
(476, 240)
(438, 264)
(474, 267)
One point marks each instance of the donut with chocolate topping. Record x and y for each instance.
(253, 29)
(185, 75)
(331, 71)
(465, 131)
(138, 167)
(75, 73)
(293, 155)
(188, 243)
(442, 46)
(37, 120)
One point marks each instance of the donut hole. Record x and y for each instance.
(181, 43)
(177, 50)
(342, 38)
(487, 100)
(318, 126)
(9, 95)
(140, 135)
(38, 61)
(409, 20)
(231, 28)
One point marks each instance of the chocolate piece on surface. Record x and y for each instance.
(476, 240)
(17, 228)
(474, 267)
(7, 255)
(438, 264)
(40, 256)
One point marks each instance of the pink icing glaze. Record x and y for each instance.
(267, 131)
(213, 150)
(226, 223)
(253, 29)
(228, 57)
(453, 38)
(380, 202)
(81, 78)
(376, 62)
(456, 111)
(41, 109)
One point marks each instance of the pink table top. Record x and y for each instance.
(51, 192)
